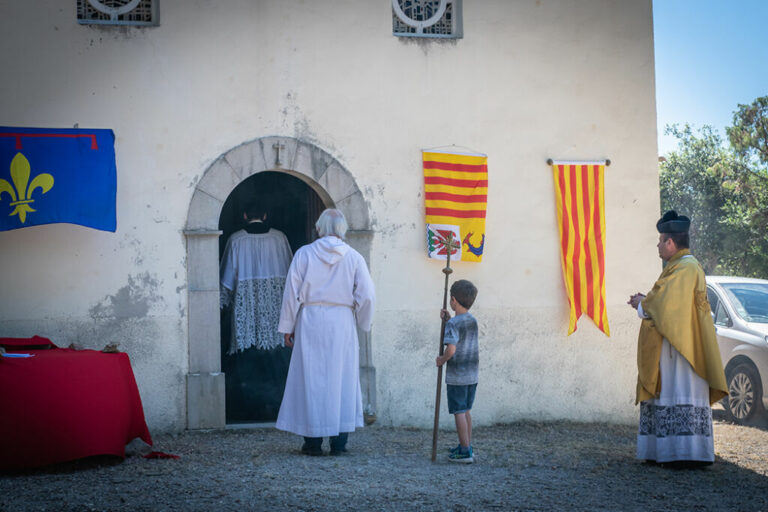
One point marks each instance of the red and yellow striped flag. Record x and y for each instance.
(581, 221)
(455, 197)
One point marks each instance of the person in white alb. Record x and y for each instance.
(328, 292)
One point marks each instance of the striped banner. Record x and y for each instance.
(455, 199)
(581, 220)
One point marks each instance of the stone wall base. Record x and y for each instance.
(205, 401)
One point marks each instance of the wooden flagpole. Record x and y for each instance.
(447, 271)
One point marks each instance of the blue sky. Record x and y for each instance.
(711, 55)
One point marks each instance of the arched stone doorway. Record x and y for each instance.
(333, 184)
(255, 377)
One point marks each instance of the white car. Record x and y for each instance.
(740, 310)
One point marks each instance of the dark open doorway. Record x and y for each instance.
(255, 378)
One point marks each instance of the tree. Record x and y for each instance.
(689, 186)
(725, 193)
(749, 133)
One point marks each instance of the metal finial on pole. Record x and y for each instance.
(447, 271)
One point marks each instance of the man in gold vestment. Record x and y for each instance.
(680, 373)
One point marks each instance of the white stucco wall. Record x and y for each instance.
(530, 80)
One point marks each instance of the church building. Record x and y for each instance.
(307, 105)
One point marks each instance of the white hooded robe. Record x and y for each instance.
(328, 291)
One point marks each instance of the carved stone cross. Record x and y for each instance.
(277, 146)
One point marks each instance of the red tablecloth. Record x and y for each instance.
(64, 404)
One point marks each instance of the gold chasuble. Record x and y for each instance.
(679, 311)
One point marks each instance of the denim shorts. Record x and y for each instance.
(460, 398)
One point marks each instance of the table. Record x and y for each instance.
(64, 404)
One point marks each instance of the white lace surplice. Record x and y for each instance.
(253, 271)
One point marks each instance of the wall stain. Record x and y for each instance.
(118, 32)
(302, 128)
(425, 44)
(131, 301)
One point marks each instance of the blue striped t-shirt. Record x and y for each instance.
(462, 368)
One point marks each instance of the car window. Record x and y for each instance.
(721, 315)
(712, 298)
(749, 300)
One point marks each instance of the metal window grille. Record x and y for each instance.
(117, 12)
(427, 18)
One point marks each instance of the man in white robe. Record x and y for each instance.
(680, 373)
(328, 292)
(253, 269)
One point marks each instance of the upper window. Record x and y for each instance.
(427, 18)
(117, 12)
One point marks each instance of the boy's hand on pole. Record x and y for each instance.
(445, 315)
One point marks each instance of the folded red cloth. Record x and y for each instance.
(161, 455)
(21, 343)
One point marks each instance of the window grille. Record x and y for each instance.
(427, 18)
(117, 12)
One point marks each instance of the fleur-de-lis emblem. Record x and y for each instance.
(21, 198)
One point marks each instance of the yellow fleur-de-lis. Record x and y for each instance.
(21, 198)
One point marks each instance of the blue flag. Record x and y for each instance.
(50, 175)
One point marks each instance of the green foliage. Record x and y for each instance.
(749, 133)
(725, 192)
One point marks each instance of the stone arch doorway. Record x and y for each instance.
(333, 184)
(255, 377)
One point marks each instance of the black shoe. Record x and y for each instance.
(339, 443)
(311, 450)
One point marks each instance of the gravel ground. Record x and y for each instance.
(520, 466)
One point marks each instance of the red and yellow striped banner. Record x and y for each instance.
(455, 199)
(581, 220)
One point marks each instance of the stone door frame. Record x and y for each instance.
(336, 187)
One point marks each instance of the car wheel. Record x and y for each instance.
(744, 402)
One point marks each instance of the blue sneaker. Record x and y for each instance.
(457, 449)
(462, 457)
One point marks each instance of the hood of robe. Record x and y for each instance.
(329, 249)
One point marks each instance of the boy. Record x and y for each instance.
(462, 355)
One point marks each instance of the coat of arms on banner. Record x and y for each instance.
(455, 200)
(437, 241)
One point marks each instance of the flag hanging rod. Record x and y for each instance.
(454, 149)
(605, 162)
